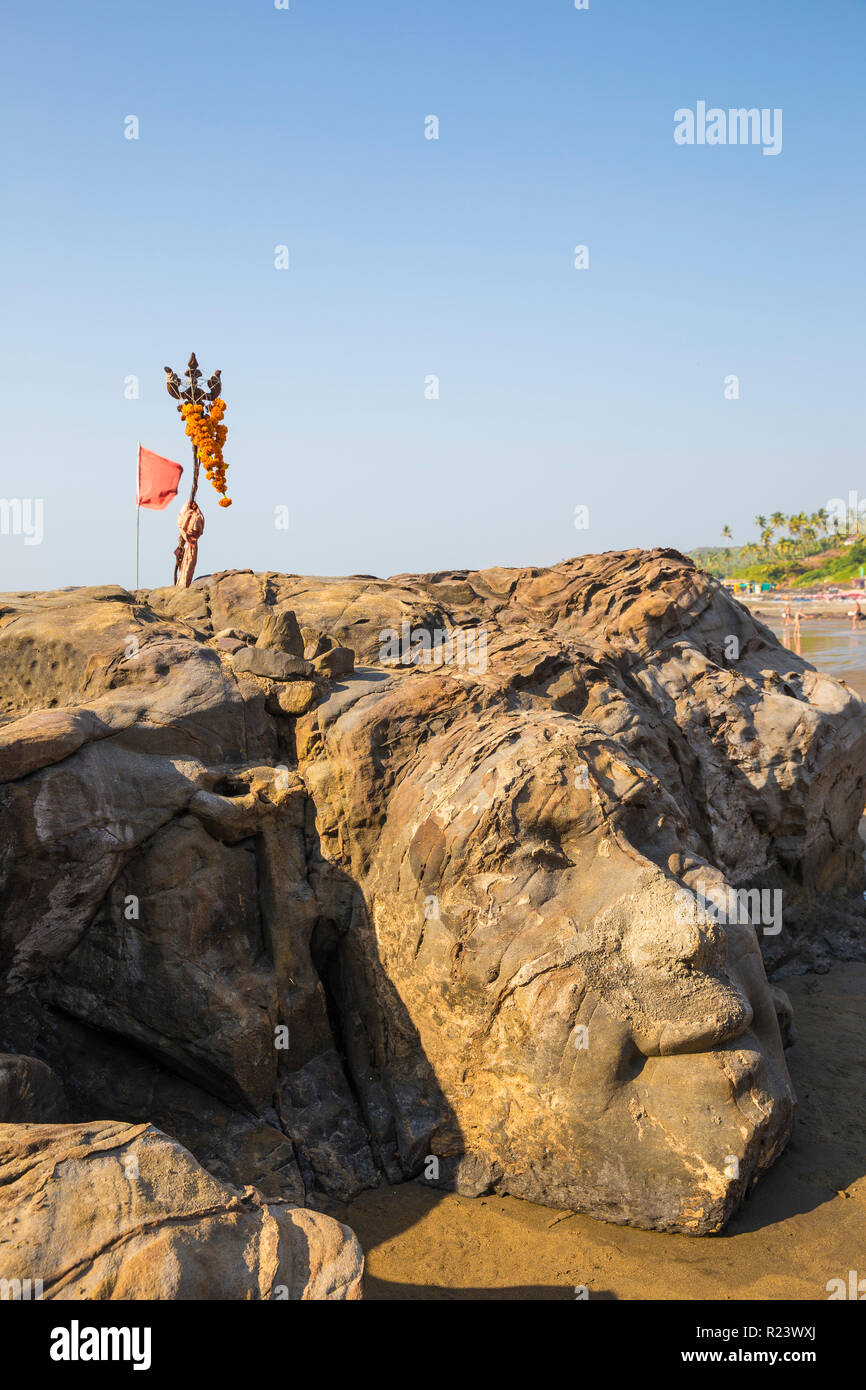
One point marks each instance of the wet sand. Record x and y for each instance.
(804, 1224)
(831, 644)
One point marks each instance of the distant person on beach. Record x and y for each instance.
(787, 613)
(856, 614)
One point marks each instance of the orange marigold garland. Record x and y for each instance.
(208, 434)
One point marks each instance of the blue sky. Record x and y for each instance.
(411, 257)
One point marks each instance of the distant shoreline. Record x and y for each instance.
(808, 605)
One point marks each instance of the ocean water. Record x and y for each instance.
(829, 644)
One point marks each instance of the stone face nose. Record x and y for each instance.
(680, 942)
(690, 1003)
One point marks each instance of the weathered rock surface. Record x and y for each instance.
(117, 1211)
(295, 697)
(338, 661)
(280, 630)
(452, 907)
(274, 664)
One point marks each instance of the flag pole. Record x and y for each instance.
(137, 507)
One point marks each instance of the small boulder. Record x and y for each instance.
(296, 697)
(275, 665)
(280, 632)
(316, 642)
(339, 661)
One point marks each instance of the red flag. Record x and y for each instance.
(158, 480)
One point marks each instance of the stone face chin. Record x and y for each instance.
(330, 920)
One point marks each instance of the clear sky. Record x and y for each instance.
(412, 257)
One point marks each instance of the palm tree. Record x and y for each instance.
(816, 528)
(777, 520)
(761, 523)
(727, 534)
(786, 550)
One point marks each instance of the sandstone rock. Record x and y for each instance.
(117, 1211)
(316, 642)
(296, 697)
(232, 640)
(102, 1073)
(43, 737)
(29, 1091)
(338, 661)
(354, 612)
(280, 630)
(457, 908)
(275, 665)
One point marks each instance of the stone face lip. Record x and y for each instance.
(118, 1211)
(454, 916)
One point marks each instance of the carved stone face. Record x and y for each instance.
(460, 893)
(598, 1047)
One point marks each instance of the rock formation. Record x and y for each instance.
(117, 1211)
(342, 881)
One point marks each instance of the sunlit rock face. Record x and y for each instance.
(596, 1048)
(492, 909)
(110, 1211)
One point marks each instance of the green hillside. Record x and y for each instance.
(806, 552)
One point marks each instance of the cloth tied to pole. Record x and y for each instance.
(190, 523)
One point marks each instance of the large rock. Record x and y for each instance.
(117, 1211)
(461, 909)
